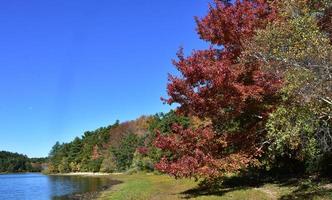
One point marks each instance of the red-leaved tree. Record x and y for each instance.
(235, 97)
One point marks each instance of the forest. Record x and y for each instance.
(259, 99)
(14, 162)
(117, 148)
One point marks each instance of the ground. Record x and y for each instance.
(161, 187)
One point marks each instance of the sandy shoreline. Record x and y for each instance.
(84, 174)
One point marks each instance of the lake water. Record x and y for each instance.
(37, 186)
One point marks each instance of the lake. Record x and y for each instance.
(36, 186)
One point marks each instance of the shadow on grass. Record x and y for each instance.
(309, 191)
(197, 192)
(221, 186)
(303, 187)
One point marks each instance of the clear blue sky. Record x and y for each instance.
(71, 66)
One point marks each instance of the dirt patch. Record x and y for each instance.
(272, 194)
(327, 186)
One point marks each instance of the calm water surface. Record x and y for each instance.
(37, 186)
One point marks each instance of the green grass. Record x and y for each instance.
(132, 189)
(161, 187)
(146, 186)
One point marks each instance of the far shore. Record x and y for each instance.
(3, 173)
(84, 174)
(68, 174)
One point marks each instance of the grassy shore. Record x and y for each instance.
(160, 187)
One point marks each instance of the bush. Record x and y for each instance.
(108, 165)
(142, 163)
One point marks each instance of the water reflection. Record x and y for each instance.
(65, 185)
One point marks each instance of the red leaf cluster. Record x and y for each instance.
(200, 153)
(230, 25)
(143, 150)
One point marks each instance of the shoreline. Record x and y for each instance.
(6, 173)
(91, 195)
(84, 174)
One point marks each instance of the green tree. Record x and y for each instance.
(125, 152)
(298, 50)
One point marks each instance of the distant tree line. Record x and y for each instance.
(106, 149)
(14, 162)
(115, 148)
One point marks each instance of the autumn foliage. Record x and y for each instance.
(229, 25)
(265, 57)
(236, 97)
